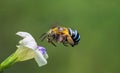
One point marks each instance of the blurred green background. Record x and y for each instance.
(98, 22)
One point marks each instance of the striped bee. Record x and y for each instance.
(63, 35)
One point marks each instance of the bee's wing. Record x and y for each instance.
(43, 36)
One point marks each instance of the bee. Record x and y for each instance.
(61, 34)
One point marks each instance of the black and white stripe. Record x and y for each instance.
(74, 35)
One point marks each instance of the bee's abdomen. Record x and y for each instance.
(74, 35)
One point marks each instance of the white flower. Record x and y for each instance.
(28, 49)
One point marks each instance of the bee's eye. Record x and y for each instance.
(53, 35)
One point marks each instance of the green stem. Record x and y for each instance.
(8, 62)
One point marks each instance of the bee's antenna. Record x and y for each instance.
(43, 36)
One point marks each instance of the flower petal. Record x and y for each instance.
(27, 41)
(40, 59)
(23, 53)
(43, 51)
(24, 34)
(29, 48)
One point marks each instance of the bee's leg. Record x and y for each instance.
(70, 41)
(65, 44)
(72, 45)
(53, 44)
(43, 36)
(50, 41)
(64, 41)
